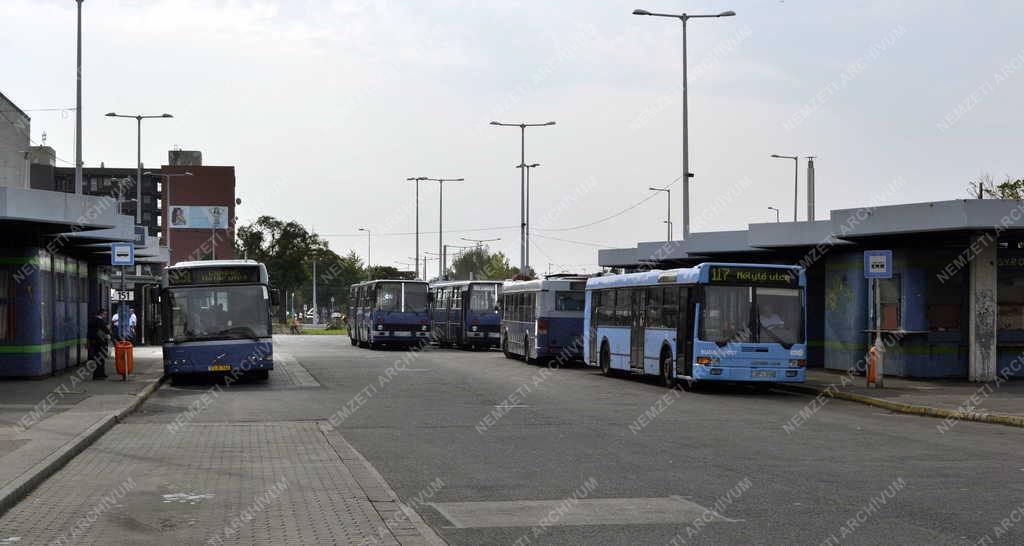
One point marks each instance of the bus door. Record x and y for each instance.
(684, 328)
(637, 325)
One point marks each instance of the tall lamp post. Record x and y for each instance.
(367, 252)
(684, 17)
(418, 179)
(440, 219)
(524, 243)
(78, 108)
(138, 179)
(776, 209)
(529, 168)
(796, 171)
(169, 223)
(668, 220)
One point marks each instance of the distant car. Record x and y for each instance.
(335, 315)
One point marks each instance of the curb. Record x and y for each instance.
(17, 490)
(911, 409)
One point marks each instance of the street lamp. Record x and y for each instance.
(528, 169)
(78, 107)
(684, 17)
(776, 213)
(440, 217)
(367, 252)
(169, 223)
(524, 243)
(138, 179)
(668, 220)
(418, 179)
(796, 171)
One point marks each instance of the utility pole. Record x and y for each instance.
(78, 108)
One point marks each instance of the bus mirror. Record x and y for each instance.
(275, 297)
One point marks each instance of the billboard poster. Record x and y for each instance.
(199, 216)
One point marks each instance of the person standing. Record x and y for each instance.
(99, 335)
(133, 322)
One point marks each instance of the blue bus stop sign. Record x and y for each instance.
(878, 264)
(122, 254)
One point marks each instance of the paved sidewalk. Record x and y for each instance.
(45, 422)
(997, 402)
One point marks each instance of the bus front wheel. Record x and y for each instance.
(504, 347)
(606, 360)
(667, 378)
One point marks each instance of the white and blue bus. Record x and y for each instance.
(464, 314)
(543, 318)
(388, 312)
(216, 318)
(711, 322)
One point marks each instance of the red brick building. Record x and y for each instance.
(198, 210)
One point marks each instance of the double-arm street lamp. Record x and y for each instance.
(796, 171)
(440, 218)
(684, 17)
(524, 243)
(529, 168)
(138, 180)
(167, 207)
(668, 219)
(418, 179)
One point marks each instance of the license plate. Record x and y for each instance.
(762, 373)
(220, 368)
(401, 334)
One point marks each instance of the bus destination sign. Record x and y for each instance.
(213, 275)
(753, 275)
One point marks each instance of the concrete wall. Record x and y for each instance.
(14, 141)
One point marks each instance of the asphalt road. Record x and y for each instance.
(497, 451)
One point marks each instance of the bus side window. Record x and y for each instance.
(623, 306)
(654, 314)
(670, 306)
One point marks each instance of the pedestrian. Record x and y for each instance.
(133, 322)
(99, 336)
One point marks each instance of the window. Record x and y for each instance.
(670, 306)
(7, 305)
(725, 314)
(569, 301)
(889, 290)
(389, 297)
(482, 298)
(623, 303)
(779, 316)
(415, 300)
(456, 298)
(654, 310)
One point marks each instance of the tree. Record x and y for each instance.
(284, 247)
(984, 187)
(482, 265)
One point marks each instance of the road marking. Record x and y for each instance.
(526, 513)
(511, 406)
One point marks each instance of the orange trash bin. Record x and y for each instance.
(124, 357)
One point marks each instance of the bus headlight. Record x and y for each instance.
(380, 326)
(423, 327)
(474, 328)
(797, 363)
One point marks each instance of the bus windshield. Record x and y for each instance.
(390, 297)
(219, 312)
(483, 298)
(728, 312)
(569, 301)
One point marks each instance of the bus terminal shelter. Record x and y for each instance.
(55, 274)
(954, 307)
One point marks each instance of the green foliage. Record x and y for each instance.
(482, 264)
(985, 188)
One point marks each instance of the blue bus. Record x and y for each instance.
(388, 312)
(711, 322)
(216, 318)
(464, 314)
(543, 318)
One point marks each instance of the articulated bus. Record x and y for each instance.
(711, 322)
(216, 317)
(465, 314)
(543, 318)
(388, 312)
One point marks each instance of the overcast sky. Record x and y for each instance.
(325, 107)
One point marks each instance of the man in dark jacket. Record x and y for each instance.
(99, 335)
